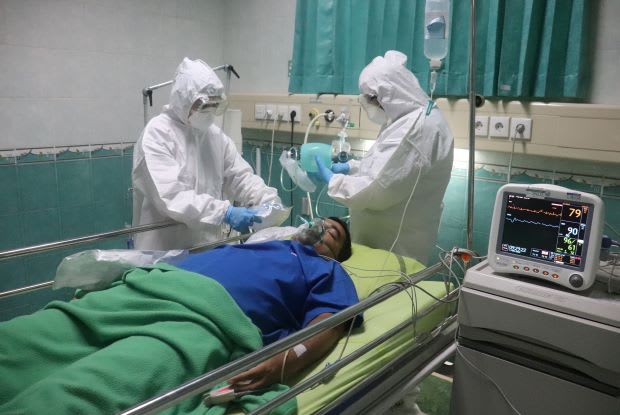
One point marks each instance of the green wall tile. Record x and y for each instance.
(612, 217)
(77, 221)
(40, 226)
(455, 202)
(74, 183)
(108, 179)
(12, 274)
(11, 235)
(108, 216)
(9, 190)
(37, 186)
(42, 267)
(582, 187)
(484, 203)
(126, 165)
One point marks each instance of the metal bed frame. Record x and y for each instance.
(426, 354)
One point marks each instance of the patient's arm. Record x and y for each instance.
(269, 371)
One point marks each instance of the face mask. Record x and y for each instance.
(311, 235)
(201, 120)
(373, 109)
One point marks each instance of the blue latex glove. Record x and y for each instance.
(240, 218)
(342, 168)
(325, 173)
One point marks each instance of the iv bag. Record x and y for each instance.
(437, 28)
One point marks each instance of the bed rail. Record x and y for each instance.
(83, 239)
(333, 368)
(225, 372)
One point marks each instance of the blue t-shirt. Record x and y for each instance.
(280, 285)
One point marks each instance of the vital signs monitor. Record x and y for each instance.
(548, 232)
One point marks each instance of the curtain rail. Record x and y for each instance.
(225, 372)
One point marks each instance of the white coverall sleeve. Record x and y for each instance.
(240, 182)
(354, 166)
(173, 196)
(384, 188)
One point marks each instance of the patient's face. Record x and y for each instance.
(333, 239)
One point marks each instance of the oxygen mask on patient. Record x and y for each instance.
(312, 233)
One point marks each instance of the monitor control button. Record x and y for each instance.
(515, 266)
(555, 276)
(535, 270)
(526, 268)
(545, 272)
(576, 280)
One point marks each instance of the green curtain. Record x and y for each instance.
(526, 49)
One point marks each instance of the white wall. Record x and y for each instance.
(72, 70)
(605, 79)
(259, 43)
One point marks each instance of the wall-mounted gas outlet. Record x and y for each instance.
(521, 128)
(499, 127)
(482, 125)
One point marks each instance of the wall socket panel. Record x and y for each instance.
(515, 124)
(499, 127)
(482, 125)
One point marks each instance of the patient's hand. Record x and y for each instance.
(263, 375)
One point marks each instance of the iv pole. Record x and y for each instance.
(472, 124)
(147, 92)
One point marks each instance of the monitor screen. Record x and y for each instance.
(546, 230)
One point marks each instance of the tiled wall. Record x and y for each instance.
(51, 197)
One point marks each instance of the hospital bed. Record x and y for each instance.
(384, 359)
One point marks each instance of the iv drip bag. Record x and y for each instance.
(436, 29)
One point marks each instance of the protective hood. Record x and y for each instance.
(192, 80)
(396, 88)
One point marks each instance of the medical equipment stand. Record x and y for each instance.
(526, 347)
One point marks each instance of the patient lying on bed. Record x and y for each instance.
(160, 326)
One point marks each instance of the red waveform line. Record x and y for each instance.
(544, 212)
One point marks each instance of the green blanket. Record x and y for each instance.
(111, 349)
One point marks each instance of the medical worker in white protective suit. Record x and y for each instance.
(186, 169)
(411, 148)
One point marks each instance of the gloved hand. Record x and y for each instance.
(325, 173)
(240, 218)
(342, 168)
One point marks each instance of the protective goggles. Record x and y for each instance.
(213, 104)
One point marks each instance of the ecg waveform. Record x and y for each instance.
(535, 211)
(513, 220)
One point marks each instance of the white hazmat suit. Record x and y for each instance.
(188, 174)
(409, 143)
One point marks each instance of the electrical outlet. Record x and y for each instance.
(521, 128)
(270, 111)
(282, 113)
(482, 125)
(499, 127)
(259, 111)
(297, 109)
